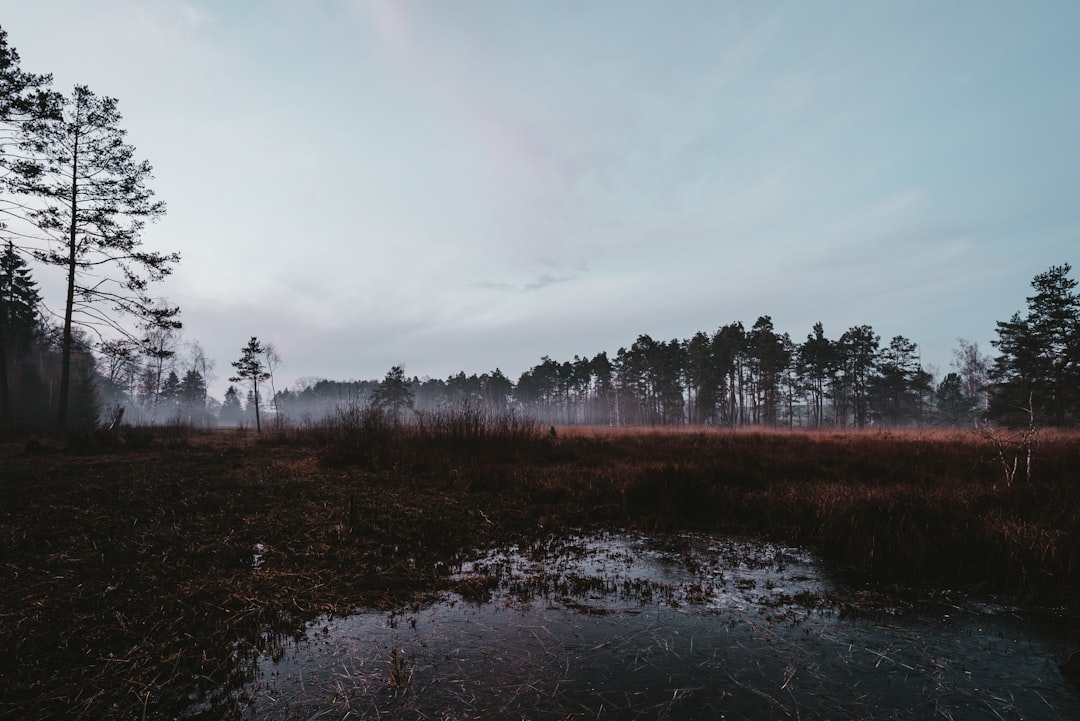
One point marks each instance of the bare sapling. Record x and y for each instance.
(1011, 446)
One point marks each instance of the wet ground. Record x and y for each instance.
(623, 626)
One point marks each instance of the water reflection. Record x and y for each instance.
(691, 627)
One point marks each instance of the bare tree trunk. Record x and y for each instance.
(255, 400)
(69, 306)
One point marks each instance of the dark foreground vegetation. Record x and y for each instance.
(141, 572)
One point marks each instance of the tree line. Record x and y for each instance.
(733, 377)
(757, 376)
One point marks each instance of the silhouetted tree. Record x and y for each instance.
(496, 389)
(817, 362)
(85, 408)
(23, 96)
(898, 387)
(857, 355)
(537, 390)
(231, 410)
(21, 329)
(252, 369)
(954, 405)
(702, 382)
(671, 382)
(191, 396)
(169, 394)
(430, 393)
(1038, 369)
(462, 391)
(92, 203)
(394, 394)
(768, 357)
(729, 354)
(791, 386)
(603, 373)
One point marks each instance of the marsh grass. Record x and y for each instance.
(926, 506)
(368, 436)
(399, 674)
(128, 576)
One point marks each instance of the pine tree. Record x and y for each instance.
(192, 395)
(817, 365)
(1038, 371)
(19, 299)
(394, 394)
(90, 200)
(19, 320)
(231, 411)
(954, 405)
(23, 95)
(857, 354)
(169, 395)
(252, 369)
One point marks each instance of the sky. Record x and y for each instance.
(470, 184)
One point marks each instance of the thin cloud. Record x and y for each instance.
(540, 282)
(545, 280)
(491, 285)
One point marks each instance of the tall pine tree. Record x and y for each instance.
(1038, 371)
(252, 369)
(90, 199)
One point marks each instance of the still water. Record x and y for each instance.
(688, 627)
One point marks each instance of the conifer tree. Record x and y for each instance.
(192, 395)
(91, 203)
(394, 394)
(231, 410)
(1038, 371)
(252, 369)
(19, 301)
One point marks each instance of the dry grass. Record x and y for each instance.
(130, 575)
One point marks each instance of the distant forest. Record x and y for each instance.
(73, 195)
(758, 377)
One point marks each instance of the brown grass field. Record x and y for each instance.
(127, 561)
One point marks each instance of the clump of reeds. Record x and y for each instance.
(366, 435)
(399, 673)
(475, 427)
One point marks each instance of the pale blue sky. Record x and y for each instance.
(460, 185)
